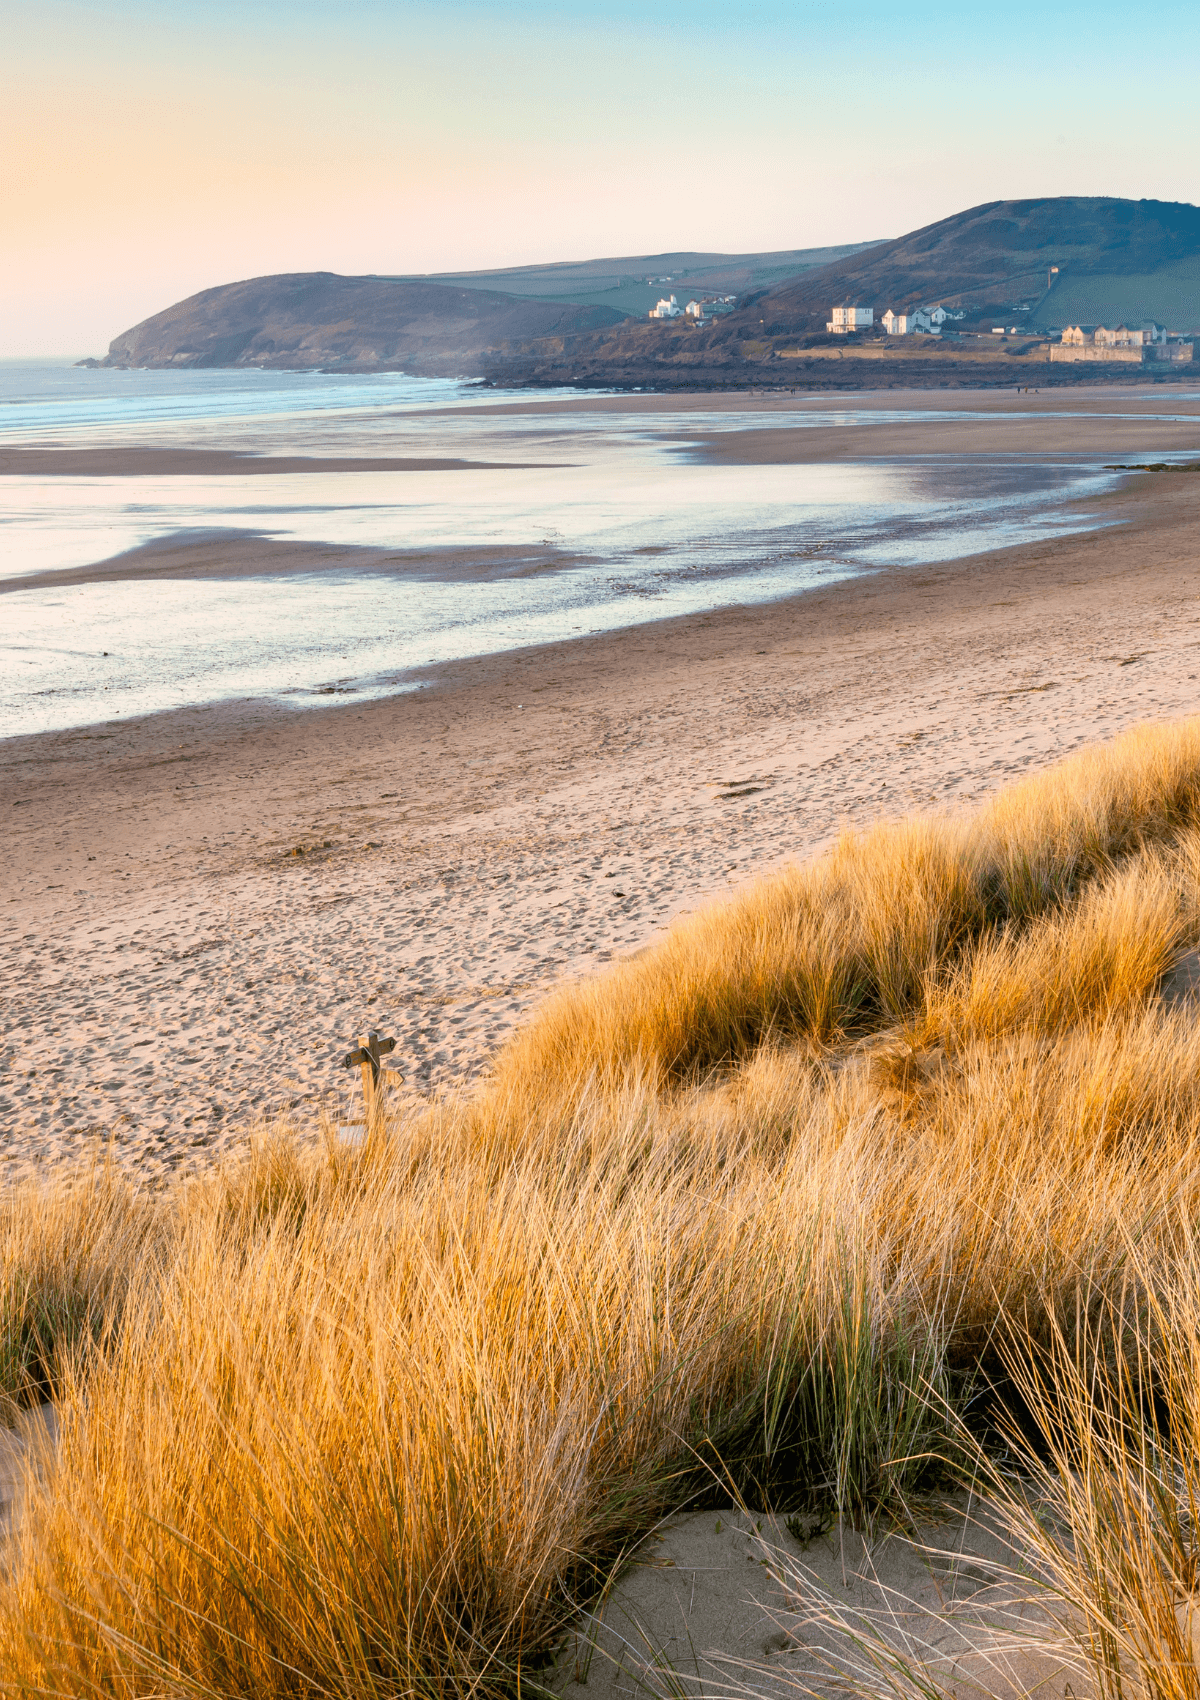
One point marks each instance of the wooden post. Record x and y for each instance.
(370, 1049)
(369, 1070)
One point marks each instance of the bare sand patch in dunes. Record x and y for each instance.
(723, 1601)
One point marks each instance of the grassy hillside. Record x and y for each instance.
(622, 283)
(788, 1206)
(438, 325)
(999, 255)
(1116, 260)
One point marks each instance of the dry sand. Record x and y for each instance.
(174, 970)
(727, 1602)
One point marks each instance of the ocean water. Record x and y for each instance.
(592, 521)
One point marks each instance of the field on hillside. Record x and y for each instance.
(885, 1169)
(1170, 296)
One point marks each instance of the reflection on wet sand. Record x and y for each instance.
(378, 538)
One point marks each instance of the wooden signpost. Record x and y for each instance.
(370, 1049)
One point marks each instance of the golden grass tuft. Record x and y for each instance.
(755, 1212)
(851, 941)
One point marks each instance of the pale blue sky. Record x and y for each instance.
(151, 149)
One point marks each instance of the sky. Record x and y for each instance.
(151, 149)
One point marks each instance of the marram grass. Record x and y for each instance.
(756, 1211)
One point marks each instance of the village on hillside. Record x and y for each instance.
(1146, 343)
(1149, 342)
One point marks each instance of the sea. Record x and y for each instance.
(592, 521)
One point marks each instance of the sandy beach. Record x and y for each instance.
(204, 907)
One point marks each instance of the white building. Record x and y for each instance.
(897, 324)
(850, 317)
(907, 324)
(694, 309)
(667, 308)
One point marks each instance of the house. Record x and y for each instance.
(910, 324)
(1145, 337)
(667, 309)
(1120, 345)
(1122, 337)
(694, 309)
(850, 317)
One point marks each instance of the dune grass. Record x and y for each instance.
(764, 1210)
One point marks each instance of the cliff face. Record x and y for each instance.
(363, 324)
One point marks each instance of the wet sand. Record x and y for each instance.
(1045, 439)
(1096, 398)
(1111, 423)
(226, 554)
(134, 462)
(202, 908)
(1096, 401)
